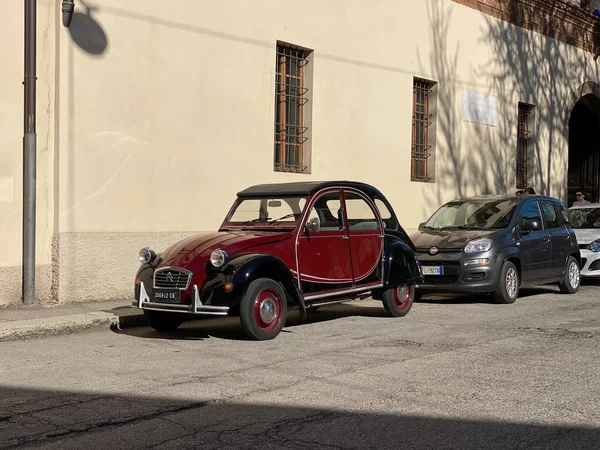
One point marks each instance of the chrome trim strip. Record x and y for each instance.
(172, 268)
(144, 297)
(369, 287)
(197, 308)
(212, 313)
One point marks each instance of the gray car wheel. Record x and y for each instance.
(572, 278)
(507, 290)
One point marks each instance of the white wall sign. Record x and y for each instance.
(480, 108)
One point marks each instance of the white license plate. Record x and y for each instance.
(433, 270)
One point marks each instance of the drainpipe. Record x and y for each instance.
(29, 155)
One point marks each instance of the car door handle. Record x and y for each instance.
(566, 236)
(546, 238)
(345, 237)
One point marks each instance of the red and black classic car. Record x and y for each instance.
(304, 244)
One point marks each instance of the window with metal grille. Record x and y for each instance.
(421, 148)
(291, 108)
(523, 138)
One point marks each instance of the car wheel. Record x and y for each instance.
(163, 321)
(398, 301)
(572, 278)
(263, 309)
(508, 284)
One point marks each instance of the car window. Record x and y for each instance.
(326, 213)
(389, 221)
(530, 211)
(484, 214)
(359, 213)
(259, 211)
(585, 217)
(550, 214)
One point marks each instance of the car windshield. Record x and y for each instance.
(584, 217)
(473, 214)
(266, 211)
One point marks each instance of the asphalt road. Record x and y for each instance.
(458, 373)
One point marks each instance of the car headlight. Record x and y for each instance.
(146, 255)
(478, 246)
(595, 246)
(218, 258)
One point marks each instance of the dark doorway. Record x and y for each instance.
(584, 149)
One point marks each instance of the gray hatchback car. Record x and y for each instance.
(498, 244)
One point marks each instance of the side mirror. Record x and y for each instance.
(312, 224)
(420, 225)
(531, 225)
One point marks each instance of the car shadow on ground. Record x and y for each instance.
(462, 299)
(230, 328)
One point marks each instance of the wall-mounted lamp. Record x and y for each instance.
(68, 6)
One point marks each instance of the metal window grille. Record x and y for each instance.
(523, 144)
(290, 101)
(420, 148)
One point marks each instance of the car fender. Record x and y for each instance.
(400, 265)
(244, 269)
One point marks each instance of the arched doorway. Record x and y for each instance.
(584, 149)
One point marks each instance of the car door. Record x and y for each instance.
(535, 249)
(365, 230)
(560, 238)
(323, 250)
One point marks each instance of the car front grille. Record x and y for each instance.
(172, 278)
(442, 279)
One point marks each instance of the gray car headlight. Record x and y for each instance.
(218, 258)
(595, 246)
(478, 245)
(146, 255)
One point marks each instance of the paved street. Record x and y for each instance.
(455, 373)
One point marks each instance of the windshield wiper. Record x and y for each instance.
(287, 216)
(258, 219)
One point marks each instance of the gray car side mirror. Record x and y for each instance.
(531, 225)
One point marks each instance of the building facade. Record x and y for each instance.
(152, 118)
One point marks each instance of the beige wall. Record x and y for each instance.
(11, 147)
(166, 112)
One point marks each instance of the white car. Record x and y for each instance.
(585, 220)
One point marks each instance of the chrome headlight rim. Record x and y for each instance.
(146, 255)
(479, 245)
(218, 258)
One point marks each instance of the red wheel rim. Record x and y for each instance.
(267, 310)
(403, 296)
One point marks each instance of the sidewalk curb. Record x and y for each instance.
(74, 323)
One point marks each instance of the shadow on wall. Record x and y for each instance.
(87, 34)
(523, 66)
(46, 418)
(546, 72)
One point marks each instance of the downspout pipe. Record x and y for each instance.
(29, 155)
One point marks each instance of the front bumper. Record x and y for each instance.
(459, 277)
(195, 307)
(590, 263)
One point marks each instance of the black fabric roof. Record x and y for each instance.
(301, 188)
